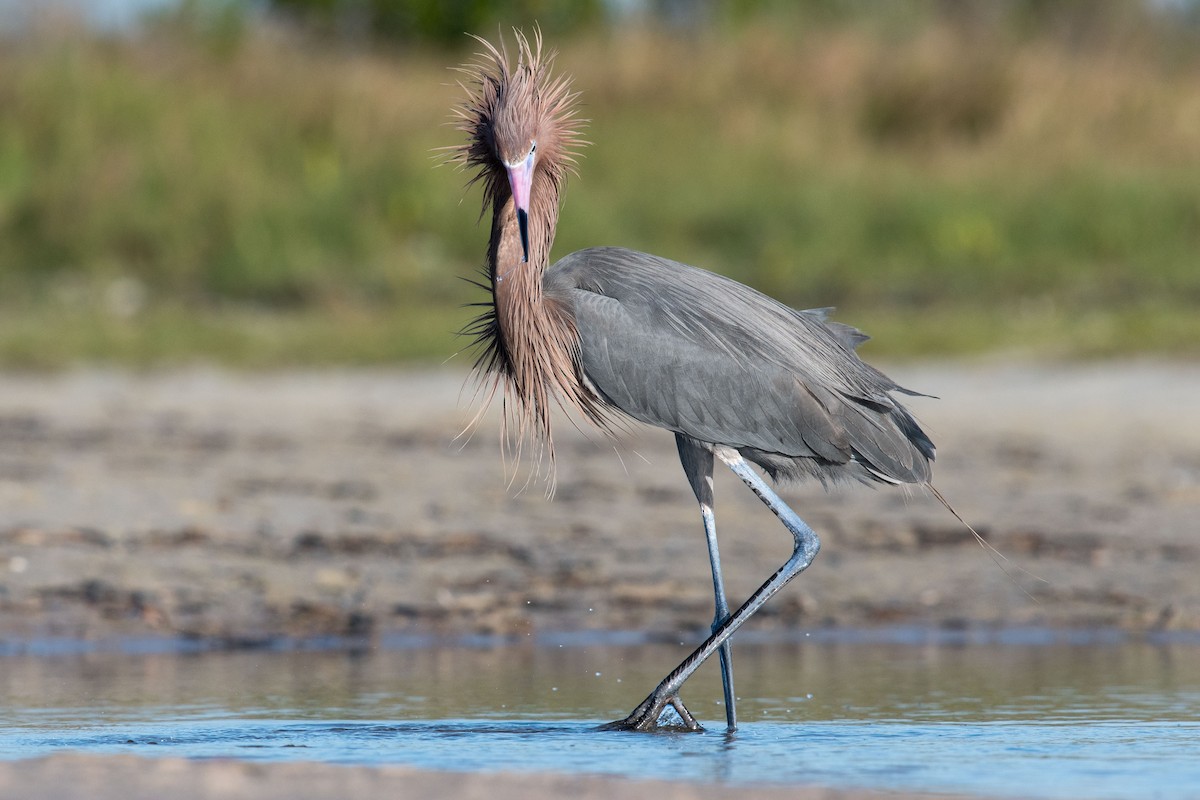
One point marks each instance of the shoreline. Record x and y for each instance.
(215, 512)
(125, 777)
(245, 510)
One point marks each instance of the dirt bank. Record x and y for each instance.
(238, 508)
(131, 778)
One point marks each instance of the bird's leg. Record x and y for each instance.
(645, 716)
(697, 463)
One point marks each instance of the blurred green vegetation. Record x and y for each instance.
(440, 21)
(219, 188)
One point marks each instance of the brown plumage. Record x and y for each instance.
(529, 342)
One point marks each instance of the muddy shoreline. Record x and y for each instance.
(209, 510)
(133, 778)
(234, 510)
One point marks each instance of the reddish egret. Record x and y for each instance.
(610, 332)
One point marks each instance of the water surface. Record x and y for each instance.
(1100, 719)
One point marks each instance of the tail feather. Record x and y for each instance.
(992, 552)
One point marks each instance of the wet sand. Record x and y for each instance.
(236, 509)
(240, 510)
(131, 778)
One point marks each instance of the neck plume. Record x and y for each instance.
(529, 343)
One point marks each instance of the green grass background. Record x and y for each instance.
(257, 197)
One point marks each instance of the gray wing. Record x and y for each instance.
(697, 353)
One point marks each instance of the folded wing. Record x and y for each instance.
(697, 353)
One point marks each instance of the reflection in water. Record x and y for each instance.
(776, 682)
(1049, 720)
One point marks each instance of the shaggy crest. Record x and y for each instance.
(502, 103)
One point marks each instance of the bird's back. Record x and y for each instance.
(697, 353)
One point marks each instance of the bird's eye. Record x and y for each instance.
(533, 148)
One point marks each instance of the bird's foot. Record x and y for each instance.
(647, 717)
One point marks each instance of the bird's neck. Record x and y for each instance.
(505, 255)
(534, 344)
(517, 283)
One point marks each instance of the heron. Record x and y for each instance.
(616, 335)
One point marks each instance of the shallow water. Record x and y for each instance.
(1100, 719)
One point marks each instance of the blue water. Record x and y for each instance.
(1022, 757)
(1098, 720)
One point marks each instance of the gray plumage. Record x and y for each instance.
(705, 356)
(736, 375)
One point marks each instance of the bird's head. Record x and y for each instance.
(521, 128)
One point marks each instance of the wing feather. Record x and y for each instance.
(700, 354)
